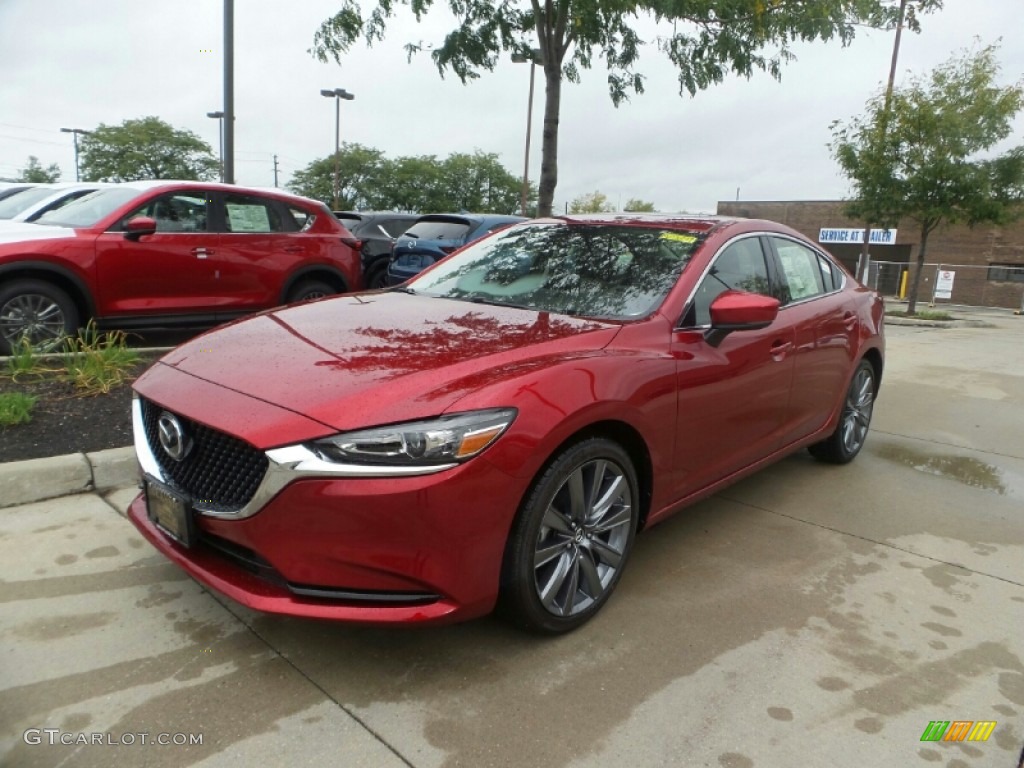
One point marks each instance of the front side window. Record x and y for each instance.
(610, 272)
(244, 213)
(802, 274)
(176, 212)
(740, 267)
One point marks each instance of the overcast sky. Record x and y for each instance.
(68, 63)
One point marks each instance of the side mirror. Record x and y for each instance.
(139, 226)
(740, 311)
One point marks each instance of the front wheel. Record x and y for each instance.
(843, 445)
(37, 311)
(571, 539)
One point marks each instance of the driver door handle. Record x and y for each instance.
(200, 253)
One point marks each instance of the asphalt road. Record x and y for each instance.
(807, 616)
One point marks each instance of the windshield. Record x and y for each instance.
(18, 202)
(601, 271)
(89, 210)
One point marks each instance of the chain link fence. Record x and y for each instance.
(979, 286)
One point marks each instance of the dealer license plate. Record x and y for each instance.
(171, 512)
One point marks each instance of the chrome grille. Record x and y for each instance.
(221, 473)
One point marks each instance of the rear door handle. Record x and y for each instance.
(780, 349)
(850, 321)
(200, 253)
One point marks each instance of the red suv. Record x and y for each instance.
(159, 253)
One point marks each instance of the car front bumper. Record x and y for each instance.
(424, 549)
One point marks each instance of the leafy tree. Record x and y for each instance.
(591, 202)
(635, 205)
(424, 184)
(923, 157)
(147, 148)
(35, 173)
(360, 173)
(704, 39)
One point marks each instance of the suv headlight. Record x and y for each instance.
(446, 439)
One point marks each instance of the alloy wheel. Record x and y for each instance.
(583, 538)
(860, 401)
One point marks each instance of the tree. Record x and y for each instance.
(635, 205)
(424, 184)
(591, 202)
(147, 148)
(923, 157)
(360, 173)
(704, 39)
(34, 172)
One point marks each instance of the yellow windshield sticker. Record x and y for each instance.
(678, 238)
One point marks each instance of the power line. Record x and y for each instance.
(32, 141)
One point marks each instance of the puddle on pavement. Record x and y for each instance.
(963, 469)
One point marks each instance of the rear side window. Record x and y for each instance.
(438, 230)
(303, 219)
(396, 227)
(247, 214)
(802, 271)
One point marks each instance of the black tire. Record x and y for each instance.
(308, 290)
(556, 577)
(843, 445)
(377, 277)
(35, 309)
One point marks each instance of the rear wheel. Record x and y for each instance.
(572, 538)
(307, 290)
(35, 310)
(377, 277)
(852, 430)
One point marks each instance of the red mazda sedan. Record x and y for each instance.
(497, 430)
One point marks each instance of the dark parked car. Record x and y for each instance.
(499, 428)
(377, 230)
(435, 235)
(153, 254)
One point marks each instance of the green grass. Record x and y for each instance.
(15, 408)
(98, 363)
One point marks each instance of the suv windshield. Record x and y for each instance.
(601, 271)
(87, 211)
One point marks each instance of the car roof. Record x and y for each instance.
(145, 185)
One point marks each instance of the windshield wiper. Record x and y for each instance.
(400, 289)
(493, 303)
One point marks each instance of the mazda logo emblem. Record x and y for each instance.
(173, 439)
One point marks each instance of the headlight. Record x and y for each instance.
(445, 439)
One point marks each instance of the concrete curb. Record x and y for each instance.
(25, 482)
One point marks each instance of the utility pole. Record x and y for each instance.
(275, 171)
(76, 132)
(229, 91)
(865, 254)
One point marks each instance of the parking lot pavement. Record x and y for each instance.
(809, 615)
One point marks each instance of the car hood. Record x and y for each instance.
(22, 231)
(355, 361)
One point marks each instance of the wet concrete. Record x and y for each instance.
(809, 615)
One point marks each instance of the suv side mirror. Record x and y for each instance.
(138, 226)
(740, 311)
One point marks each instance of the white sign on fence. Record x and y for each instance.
(856, 236)
(944, 284)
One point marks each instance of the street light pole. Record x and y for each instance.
(75, 132)
(534, 59)
(219, 116)
(337, 94)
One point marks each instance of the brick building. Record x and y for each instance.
(986, 262)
